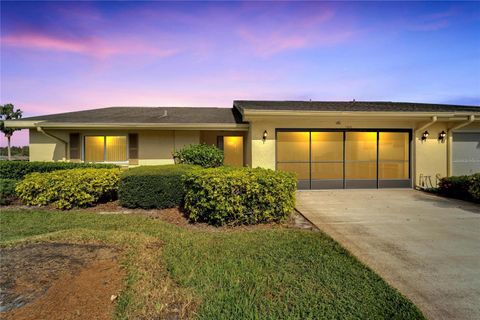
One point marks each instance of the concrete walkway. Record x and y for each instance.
(426, 246)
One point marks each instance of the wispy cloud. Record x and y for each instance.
(290, 33)
(432, 22)
(91, 46)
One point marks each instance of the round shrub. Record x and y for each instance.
(65, 189)
(153, 186)
(202, 155)
(7, 191)
(233, 196)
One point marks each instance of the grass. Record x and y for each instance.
(276, 273)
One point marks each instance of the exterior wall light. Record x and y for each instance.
(442, 136)
(425, 135)
(265, 134)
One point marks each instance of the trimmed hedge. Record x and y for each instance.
(234, 196)
(455, 187)
(65, 189)
(18, 169)
(475, 187)
(7, 191)
(153, 186)
(461, 187)
(202, 155)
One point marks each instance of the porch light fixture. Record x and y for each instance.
(265, 134)
(442, 136)
(425, 135)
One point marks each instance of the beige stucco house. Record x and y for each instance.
(327, 144)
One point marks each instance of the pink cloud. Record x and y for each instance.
(296, 33)
(94, 47)
(267, 45)
(273, 43)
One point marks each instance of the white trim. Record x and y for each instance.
(127, 125)
(368, 114)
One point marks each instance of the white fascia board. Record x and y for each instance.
(21, 124)
(255, 114)
(171, 126)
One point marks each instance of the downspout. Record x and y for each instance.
(65, 143)
(471, 118)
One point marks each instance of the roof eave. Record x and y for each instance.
(377, 114)
(21, 124)
(78, 125)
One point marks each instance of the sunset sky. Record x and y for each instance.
(63, 56)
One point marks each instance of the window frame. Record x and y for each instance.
(105, 147)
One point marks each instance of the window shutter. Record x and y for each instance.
(220, 142)
(133, 148)
(75, 146)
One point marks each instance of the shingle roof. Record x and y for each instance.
(145, 115)
(199, 115)
(374, 106)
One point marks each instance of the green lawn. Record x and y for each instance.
(276, 273)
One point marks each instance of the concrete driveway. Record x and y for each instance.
(426, 246)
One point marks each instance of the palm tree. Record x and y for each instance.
(8, 112)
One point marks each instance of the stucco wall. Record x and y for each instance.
(263, 152)
(155, 147)
(431, 157)
(43, 148)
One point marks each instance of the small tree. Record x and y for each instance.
(8, 112)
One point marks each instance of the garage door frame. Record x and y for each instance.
(460, 164)
(407, 183)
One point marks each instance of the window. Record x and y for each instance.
(105, 148)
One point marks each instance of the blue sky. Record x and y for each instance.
(62, 56)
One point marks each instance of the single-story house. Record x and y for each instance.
(327, 144)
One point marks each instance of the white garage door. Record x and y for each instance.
(466, 153)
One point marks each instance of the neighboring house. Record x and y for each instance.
(327, 144)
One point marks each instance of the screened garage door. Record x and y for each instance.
(345, 159)
(466, 153)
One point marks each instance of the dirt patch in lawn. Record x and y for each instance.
(59, 281)
(177, 217)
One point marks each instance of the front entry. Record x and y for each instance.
(337, 159)
(232, 147)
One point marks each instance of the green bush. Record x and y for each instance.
(19, 169)
(153, 186)
(455, 187)
(65, 189)
(202, 155)
(239, 195)
(7, 191)
(461, 187)
(474, 188)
